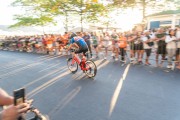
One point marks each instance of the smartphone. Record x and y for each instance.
(19, 96)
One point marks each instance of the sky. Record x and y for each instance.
(7, 12)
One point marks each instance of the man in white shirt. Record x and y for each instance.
(148, 43)
(171, 46)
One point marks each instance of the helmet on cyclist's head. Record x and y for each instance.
(73, 35)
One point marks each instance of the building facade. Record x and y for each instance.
(169, 19)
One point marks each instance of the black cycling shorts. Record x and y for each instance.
(82, 50)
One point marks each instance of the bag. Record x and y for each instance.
(150, 43)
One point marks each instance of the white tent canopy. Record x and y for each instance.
(78, 29)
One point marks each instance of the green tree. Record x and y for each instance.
(43, 12)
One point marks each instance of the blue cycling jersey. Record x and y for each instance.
(80, 42)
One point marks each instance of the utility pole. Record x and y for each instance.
(66, 20)
(81, 16)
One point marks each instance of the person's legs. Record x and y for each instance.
(171, 53)
(178, 63)
(89, 46)
(138, 55)
(135, 53)
(178, 56)
(163, 56)
(148, 54)
(142, 53)
(96, 50)
(122, 54)
(106, 52)
(159, 52)
(117, 53)
(169, 56)
(163, 51)
(132, 52)
(147, 57)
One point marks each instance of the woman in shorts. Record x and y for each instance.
(171, 47)
(95, 42)
(178, 48)
(147, 41)
(105, 41)
(133, 46)
(139, 47)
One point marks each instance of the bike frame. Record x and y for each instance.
(75, 59)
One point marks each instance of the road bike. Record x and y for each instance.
(87, 66)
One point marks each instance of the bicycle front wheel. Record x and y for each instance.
(91, 69)
(72, 65)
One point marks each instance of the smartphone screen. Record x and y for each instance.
(19, 96)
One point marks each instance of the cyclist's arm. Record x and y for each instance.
(75, 44)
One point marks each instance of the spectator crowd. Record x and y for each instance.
(137, 46)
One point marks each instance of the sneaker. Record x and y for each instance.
(112, 54)
(169, 66)
(131, 61)
(105, 58)
(173, 66)
(147, 63)
(165, 59)
(123, 61)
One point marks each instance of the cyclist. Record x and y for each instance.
(78, 43)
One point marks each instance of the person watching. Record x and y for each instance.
(11, 112)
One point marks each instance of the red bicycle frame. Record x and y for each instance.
(81, 63)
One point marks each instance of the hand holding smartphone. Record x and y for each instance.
(19, 96)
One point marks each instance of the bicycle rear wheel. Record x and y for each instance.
(72, 65)
(91, 69)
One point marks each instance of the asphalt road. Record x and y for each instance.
(130, 92)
